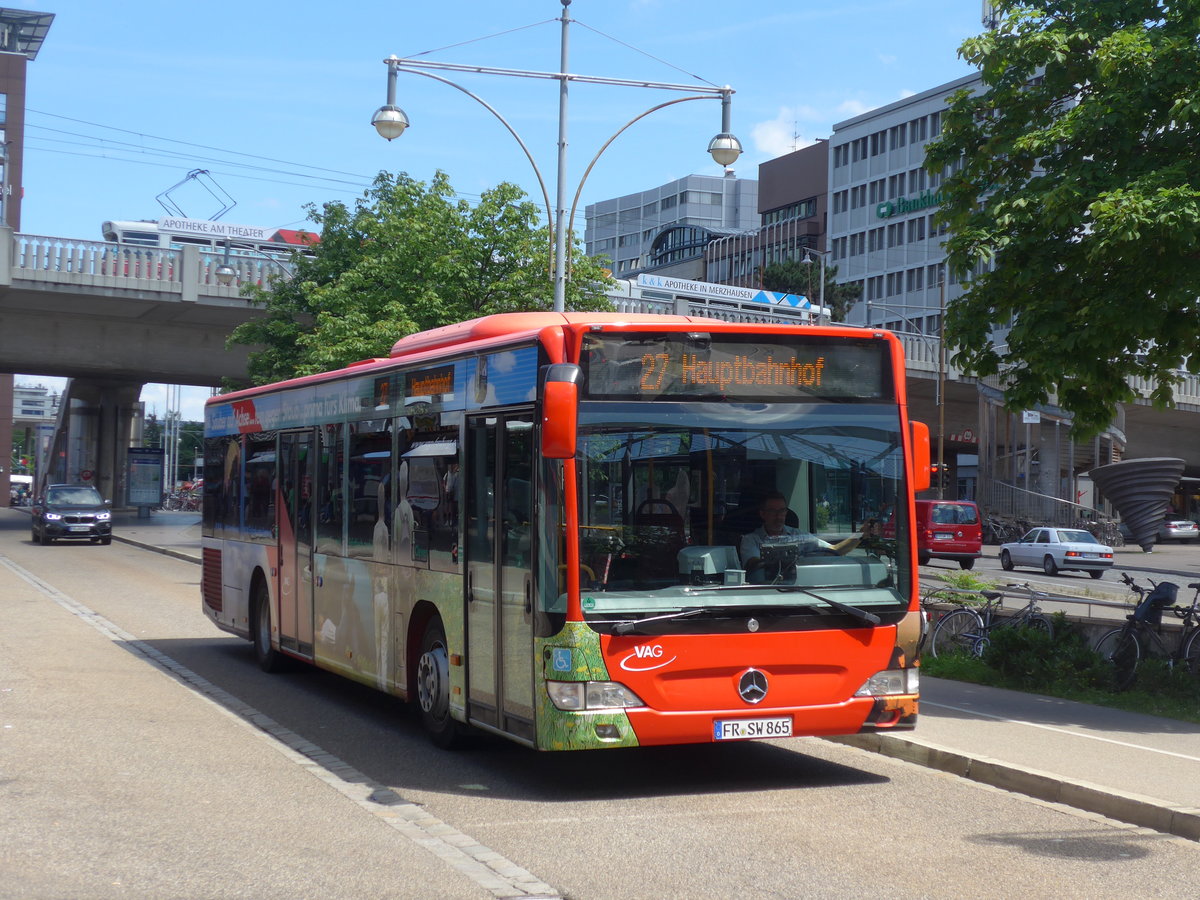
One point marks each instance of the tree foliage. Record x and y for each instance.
(803, 277)
(1077, 207)
(406, 257)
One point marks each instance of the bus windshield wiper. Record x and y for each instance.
(628, 626)
(861, 614)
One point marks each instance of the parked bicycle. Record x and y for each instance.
(968, 630)
(1123, 648)
(1106, 532)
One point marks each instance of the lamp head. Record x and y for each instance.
(225, 274)
(725, 148)
(390, 121)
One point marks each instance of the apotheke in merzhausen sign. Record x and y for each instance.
(902, 205)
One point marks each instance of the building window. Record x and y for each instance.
(841, 201)
(679, 243)
(897, 136)
(875, 239)
(804, 209)
(841, 155)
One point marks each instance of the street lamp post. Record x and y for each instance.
(391, 121)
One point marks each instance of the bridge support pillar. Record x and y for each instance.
(101, 420)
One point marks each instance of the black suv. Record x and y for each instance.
(72, 511)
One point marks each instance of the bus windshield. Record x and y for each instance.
(700, 512)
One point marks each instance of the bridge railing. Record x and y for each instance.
(186, 271)
(43, 258)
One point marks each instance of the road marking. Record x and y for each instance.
(488, 869)
(1090, 737)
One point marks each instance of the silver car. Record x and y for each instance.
(1058, 549)
(1178, 530)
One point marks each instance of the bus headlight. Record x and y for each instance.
(580, 695)
(891, 681)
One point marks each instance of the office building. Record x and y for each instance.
(665, 230)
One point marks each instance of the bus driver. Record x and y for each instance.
(774, 529)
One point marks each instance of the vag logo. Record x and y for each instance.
(645, 658)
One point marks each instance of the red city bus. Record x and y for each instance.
(538, 524)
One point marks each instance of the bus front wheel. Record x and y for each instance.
(433, 686)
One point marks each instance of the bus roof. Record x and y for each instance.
(503, 324)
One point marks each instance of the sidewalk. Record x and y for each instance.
(1134, 768)
(175, 534)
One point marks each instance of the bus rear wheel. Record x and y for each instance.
(433, 687)
(269, 659)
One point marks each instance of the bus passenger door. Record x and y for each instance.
(499, 544)
(295, 586)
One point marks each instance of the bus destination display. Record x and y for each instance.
(703, 367)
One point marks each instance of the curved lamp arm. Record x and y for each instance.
(617, 134)
(393, 68)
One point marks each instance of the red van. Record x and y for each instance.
(948, 529)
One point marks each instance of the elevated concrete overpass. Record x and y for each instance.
(113, 317)
(88, 309)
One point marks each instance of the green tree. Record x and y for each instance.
(406, 257)
(1076, 211)
(803, 277)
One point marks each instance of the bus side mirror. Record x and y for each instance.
(920, 456)
(560, 410)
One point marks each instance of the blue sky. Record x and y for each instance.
(275, 100)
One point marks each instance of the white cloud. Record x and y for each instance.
(782, 134)
(887, 59)
(851, 108)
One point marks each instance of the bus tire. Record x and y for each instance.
(269, 659)
(433, 687)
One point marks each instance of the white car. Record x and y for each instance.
(1058, 549)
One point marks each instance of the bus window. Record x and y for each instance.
(430, 462)
(369, 478)
(260, 483)
(330, 470)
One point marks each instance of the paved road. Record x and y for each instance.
(1140, 769)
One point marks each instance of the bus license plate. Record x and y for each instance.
(746, 729)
